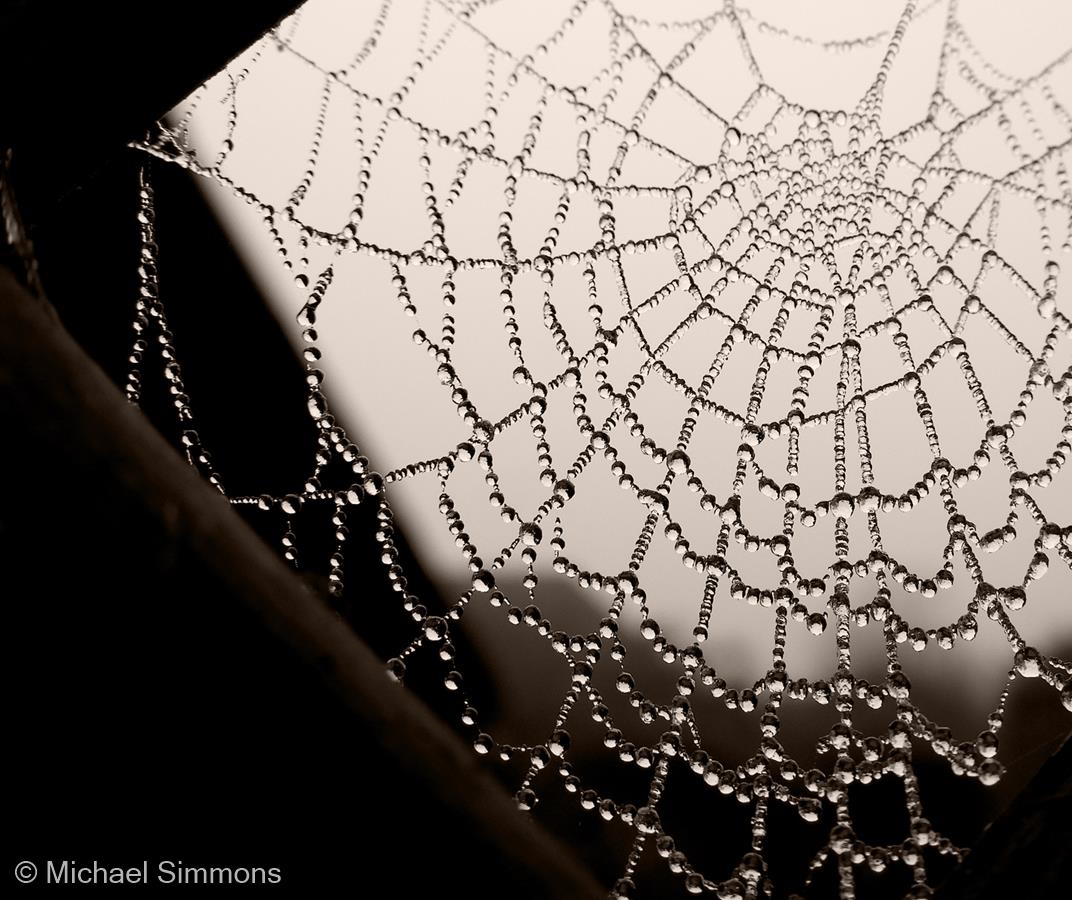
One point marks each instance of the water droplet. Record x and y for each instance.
(898, 685)
(530, 534)
(1028, 662)
(317, 404)
(654, 499)
(564, 489)
(483, 431)
(435, 628)
(483, 581)
(678, 462)
(647, 820)
(559, 742)
(841, 505)
(841, 839)
(990, 772)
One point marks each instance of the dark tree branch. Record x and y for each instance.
(56, 404)
(82, 79)
(1027, 850)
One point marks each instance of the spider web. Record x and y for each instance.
(736, 276)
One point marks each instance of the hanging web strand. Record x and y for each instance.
(801, 221)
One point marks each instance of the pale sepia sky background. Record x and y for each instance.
(384, 387)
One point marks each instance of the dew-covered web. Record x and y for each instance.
(689, 289)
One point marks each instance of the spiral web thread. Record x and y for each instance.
(806, 189)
